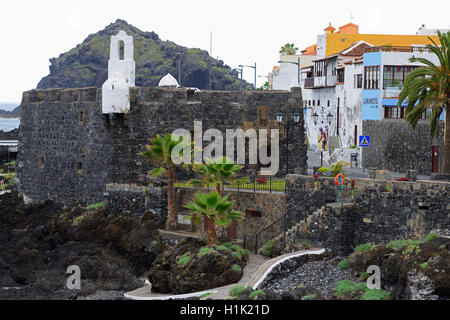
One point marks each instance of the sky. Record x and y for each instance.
(244, 31)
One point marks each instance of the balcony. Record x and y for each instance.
(389, 48)
(309, 83)
(392, 92)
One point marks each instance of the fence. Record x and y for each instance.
(388, 48)
(269, 185)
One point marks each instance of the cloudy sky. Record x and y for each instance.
(244, 31)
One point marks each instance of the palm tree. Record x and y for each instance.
(216, 208)
(428, 88)
(289, 49)
(216, 173)
(159, 151)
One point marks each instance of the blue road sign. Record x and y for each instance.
(364, 141)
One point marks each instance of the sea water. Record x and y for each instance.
(9, 124)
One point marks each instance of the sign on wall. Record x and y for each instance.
(364, 141)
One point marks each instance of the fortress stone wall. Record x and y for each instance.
(69, 150)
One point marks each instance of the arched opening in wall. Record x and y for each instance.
(253, 213)
(79, 167)
(121, 48)
(81, 118)
(41, 162)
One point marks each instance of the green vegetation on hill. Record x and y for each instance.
(86, 65)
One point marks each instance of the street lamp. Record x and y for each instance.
(244, 66)
(330, 118)
(315, 117)
(296, 121)
(298, 66)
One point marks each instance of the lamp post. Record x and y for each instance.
(244, 66)
(279, 118)
(298, 66)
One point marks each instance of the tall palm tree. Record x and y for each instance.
(428, 88)
(216, 208)
(159, 151)
(289, 49)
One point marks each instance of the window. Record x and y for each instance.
(253, 214)
(318, 102)
(79, 167)
(121, 50)
(341, 76)
(328, 103)
(310, 102)
(371, 78)
(395, 76)
(41, 162)
(358, 81)
(394, 113)
(314, 102)
(81, 118)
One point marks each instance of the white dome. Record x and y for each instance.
(168, 81)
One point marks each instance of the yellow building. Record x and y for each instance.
(332, 41)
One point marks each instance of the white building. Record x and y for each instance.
(287, 75)
(121, 75)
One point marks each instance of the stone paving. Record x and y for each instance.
(254, 273)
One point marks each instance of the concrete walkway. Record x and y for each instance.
(255, 272)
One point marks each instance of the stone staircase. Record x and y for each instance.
(296, 232)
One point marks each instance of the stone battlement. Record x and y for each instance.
(70, 149)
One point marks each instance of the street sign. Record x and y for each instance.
(364, 141)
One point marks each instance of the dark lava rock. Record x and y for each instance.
(38, 242)
(185, 269)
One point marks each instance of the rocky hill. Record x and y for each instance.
(86, 65)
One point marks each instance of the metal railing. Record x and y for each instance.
(309, 82)
(269, 185)
(389, 48)
(270, 228)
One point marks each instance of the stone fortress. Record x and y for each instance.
(73, 142)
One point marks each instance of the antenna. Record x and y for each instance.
(210, 54)
(351, 17)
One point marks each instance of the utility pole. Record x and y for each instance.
(210, 54)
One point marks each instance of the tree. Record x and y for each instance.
(216, 173)
(216, 208)
(428, 88)
(159, 151)
(337, 168)
(264, 87)
(289, 49)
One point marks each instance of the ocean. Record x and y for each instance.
(8, 124)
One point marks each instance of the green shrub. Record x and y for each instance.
(237, 291)
(222, 247)
(424, 265)
(430, 237)
(343, 287)
(237, 254)
(375, 294)
(178, 277)
(202, 275)
(227, 244)
(205, 251)
(185, 258)
(96, 206)
(442, 247)
(344, 264)
(396, 245)
(365, 247)
(267, 249)
(236, 267)
(301, 286)
(346, 286)
(310, 297)
(306, 244)
(155, 243)
(258, 293)
(363, 276)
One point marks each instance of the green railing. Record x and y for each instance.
(269, 185)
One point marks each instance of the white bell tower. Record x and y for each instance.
(121, 75)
